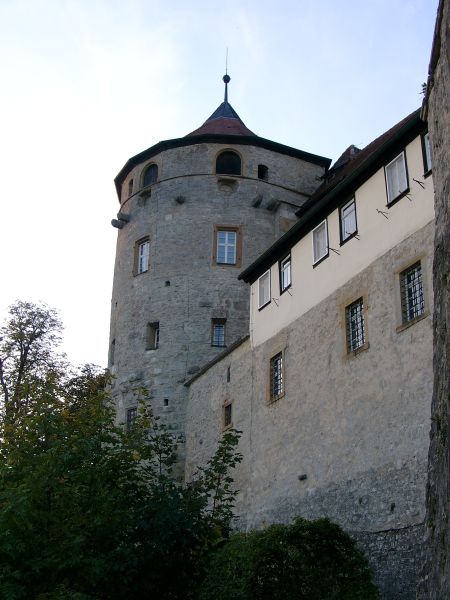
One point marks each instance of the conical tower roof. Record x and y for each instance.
(224, 120)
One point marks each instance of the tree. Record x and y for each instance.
(28, 355)
(88, 508)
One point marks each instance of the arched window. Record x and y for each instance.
(228, 163)
(150, 175)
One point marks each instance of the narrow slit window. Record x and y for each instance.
(411, 290)
(130, 187)
(263, 172)
(152, 336)
(227, 415)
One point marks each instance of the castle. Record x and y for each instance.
(256, 287)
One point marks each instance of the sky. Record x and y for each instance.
(86, 84)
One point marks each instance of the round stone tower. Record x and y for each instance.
(194, 212)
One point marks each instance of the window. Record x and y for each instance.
(354, 324)
(263, 172)
(131, 416)
(218, 332)
(130, 187)
(396, 178)
(426, 152)
(228, 163)
(411, 291)
(150, 175)
(264, 289)
(227, 415)
(112, 352)
(152, 336)
(227, 245)
(228, 374)
(320, 242)
(276, 377)
(141, 256)
(347, 217)
(285, 273)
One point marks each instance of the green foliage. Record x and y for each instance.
(308, 560)
(88, 509)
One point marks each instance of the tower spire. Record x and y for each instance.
(226, 78)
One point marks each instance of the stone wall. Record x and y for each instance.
(349, 437)
(436, 577)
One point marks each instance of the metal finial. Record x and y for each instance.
(226, 79)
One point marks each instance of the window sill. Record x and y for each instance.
(317, 263)
(397, 198)
(408, 324)
(348, 238)
(354, 353)
(264, 305)
(288, 287)
(275, 398)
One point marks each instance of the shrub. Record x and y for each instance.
(308, 560)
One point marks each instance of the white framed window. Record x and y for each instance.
(264, 289)
(411, 292)
(347, 217)
(285, 273)
(354, 325)
(276, 376)
(426, 150)
(218, 332)
(226, 247)
(320, 242)
(396, 177)
(141, 256)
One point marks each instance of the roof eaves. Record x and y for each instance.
(313, 206)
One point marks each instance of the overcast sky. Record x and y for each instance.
(86, 84)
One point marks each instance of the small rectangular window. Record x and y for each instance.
(112, 352)
(285, 273)
(131, 416)
(411, 290)
(218, 332)
(152, 336)
(141, 256)
(347, 217)
(354, 324)
(227, 245)
(264, 289)
(227, 415)
(276, 376)
(396, 177)
(426, 151)
(320, 242)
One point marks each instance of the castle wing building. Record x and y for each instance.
(332, 387)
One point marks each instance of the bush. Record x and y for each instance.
(310, 560)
